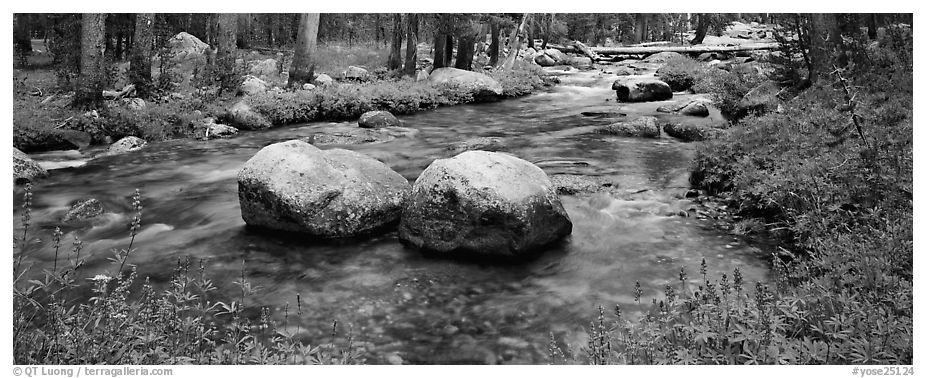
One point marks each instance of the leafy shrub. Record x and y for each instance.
(521, 81)
(401, 96)
(681, 72)
(156, 122)
(727, 88)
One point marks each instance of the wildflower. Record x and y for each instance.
(101, 277)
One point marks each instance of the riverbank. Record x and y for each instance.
(43, 120)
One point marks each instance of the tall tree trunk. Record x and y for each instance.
(22, 40)
(121, 44)
(515, 44)
(411, 48)
(140, 66)
(90, 83)
(448, 50)
(377, 26)
(836, 23)
(872, 22)
(440, 51)
(244, 30)
(302, 69)
(547, 30)
(465, 52)
(493, 46)
(530, 34)
(226, 33)
(641, 29)
(395, 53)
(701, 30)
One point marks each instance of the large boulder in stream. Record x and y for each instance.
(483, 204)
(482, 86)
(641, 89)
(294, 186)
(25, 169)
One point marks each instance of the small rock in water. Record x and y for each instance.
(603, 114)
(82, 210)
(127, 144)
(575, 184)
(692, 193)
(377, 119)
(218, 130)
(481, 143)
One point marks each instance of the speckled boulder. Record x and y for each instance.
(294, 186)
(83, 210)
(25, 169)
(483, 204)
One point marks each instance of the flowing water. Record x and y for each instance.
(397, 301)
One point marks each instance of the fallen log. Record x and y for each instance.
(585, 50)
(128, 91)
(646, 50)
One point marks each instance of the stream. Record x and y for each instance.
(397, 301)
